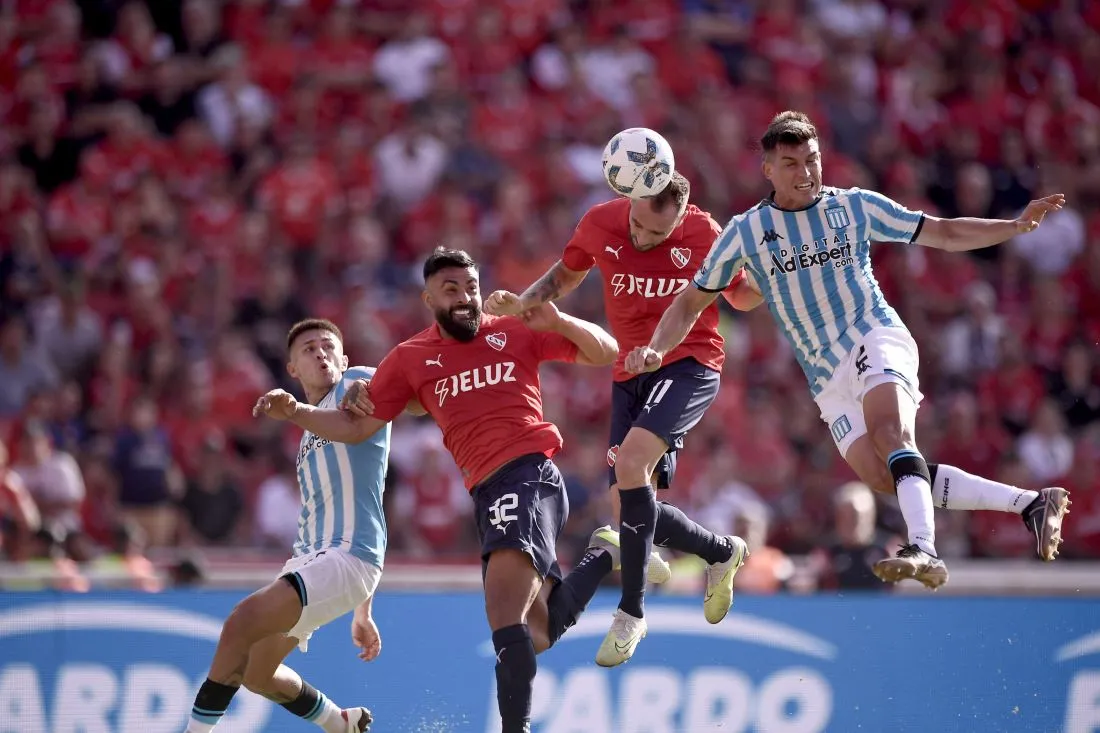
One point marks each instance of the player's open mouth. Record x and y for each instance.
(804, 186)
(463, 313)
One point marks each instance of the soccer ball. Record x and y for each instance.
(638, 163)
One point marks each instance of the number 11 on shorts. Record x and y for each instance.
(657, 393)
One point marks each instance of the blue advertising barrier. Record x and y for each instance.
(130, 663)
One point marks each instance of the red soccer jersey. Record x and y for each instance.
(484, 394)
(638, 287)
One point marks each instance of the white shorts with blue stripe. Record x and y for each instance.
(333, 582)
(884, 355)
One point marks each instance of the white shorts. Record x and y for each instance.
(883, 355)
(335, 582)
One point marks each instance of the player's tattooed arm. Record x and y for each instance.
(558, 281)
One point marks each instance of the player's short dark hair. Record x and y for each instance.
(310, 324)
(442, 258)
(788, 128)
(675, 193)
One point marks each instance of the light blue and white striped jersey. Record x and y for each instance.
(813, 267)
(342, 487)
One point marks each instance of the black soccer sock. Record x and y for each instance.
(310, 703)
(515, 671)
(676, 531)
(637, 522)
(210, 705)
(570, 597)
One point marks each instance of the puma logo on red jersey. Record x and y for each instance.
(647, 287)
(474, 379)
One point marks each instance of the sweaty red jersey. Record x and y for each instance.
(638, 287)
(484, 394)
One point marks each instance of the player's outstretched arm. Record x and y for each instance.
(559, 280)
(339, 426)
(671, 331)
(963, 234)
(595, 346)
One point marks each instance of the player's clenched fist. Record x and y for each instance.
(278, 404)
(503, 303)
(543, 317)
(357, 399)
(643, 359)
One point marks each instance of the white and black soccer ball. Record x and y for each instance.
(638, 163)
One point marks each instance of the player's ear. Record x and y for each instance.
(344, 362)
(426, 297)
(291, 370)
(766, 168)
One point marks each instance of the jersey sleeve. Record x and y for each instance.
(390, 390)
(578, 252)
(887, 220)
(552, 346)
(737, 281)
(726, 257)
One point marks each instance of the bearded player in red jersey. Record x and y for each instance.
(646, 251)
(477, 376)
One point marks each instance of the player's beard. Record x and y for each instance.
(460, 329)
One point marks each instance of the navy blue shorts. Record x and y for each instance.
(523, 506)
(668, 403)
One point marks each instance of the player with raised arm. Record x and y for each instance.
(336, 562)
(478, 376)
(646, 251)
(807, 248)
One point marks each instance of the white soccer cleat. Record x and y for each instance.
(605, 538)
(621, 640)
(358, 720)
(719, 594)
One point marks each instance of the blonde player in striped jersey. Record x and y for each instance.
(336, 563)
(807, 249)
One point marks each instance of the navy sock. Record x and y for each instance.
(212, 701)
(676, 531)
(309, 703)
(515, 671)
(570, 597)
(637, 522)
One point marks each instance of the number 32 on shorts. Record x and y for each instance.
(502, 512)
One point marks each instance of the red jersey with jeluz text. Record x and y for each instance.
(484, 394)
(638, 287)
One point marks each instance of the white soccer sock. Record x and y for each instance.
(194, 726)
(956, 489)
(329, 718)
(915, 500)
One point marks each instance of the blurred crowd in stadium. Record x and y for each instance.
(181, 180)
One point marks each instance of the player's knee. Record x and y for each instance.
(633, 465)
(243, 620)
(889, 436)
